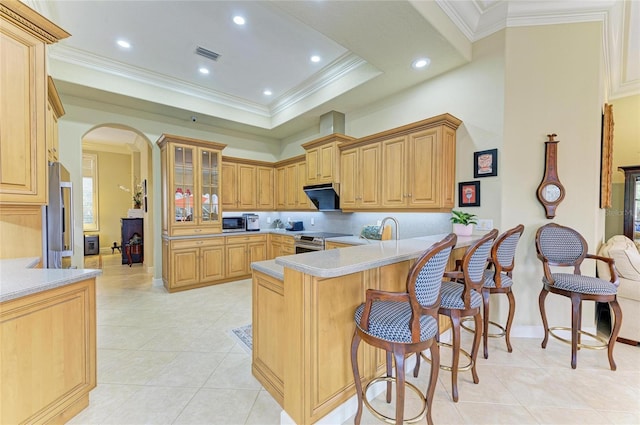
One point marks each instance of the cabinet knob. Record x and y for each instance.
(199, 243)
(198, 230)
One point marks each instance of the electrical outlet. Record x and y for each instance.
(313, 222)
(268, 220)
(484, 224)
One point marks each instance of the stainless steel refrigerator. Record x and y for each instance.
(57, 218)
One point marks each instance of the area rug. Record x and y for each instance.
(244, 334)
(93, 262)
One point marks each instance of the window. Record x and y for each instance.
(90, 192)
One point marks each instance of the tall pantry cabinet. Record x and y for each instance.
(24, 35)
(191, 211)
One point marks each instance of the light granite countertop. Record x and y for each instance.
(269, 267)
(18, 278)
(371, 254)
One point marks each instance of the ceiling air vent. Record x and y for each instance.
(207, 53)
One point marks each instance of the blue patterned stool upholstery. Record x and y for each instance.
(460, 298)
(401, 323)
(561, 246)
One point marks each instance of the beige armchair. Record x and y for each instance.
(626, 254)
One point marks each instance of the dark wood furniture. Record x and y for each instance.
(631, 201)
(461, 297)
(401, 323)
(132, 231)
(498, 281)
(560, 246)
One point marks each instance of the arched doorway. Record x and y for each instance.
(116, 168)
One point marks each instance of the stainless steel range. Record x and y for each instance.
(309, 242)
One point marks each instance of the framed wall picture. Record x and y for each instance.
(469, 194)
(485, 163)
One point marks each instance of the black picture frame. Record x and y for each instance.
(469, 194)
(485, 163)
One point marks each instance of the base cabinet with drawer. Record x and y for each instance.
(191, 263)
(241, 251)
(281, 245)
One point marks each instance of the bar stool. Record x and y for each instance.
(460, 298)
(498, 280)
(402, 323)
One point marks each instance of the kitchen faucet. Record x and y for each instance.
(384, 220)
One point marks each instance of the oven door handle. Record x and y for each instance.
(308, 246)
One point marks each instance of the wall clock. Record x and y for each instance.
(550, 192)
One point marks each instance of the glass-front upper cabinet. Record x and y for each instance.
(182, 185)
(209, 185)
(191, 186)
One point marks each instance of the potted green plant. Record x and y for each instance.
(463, 222)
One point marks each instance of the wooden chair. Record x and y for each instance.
(498, 280)
(461, 297)
(564, 247)
(402, 323)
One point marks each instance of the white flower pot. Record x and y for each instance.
(462, 230)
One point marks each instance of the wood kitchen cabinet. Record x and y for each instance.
(241, 251)
(54, 111)
(48, 354)
(361, 177)
(323, 159)
(280, 245)
(416, 168)
(191, 184)
(265, 184)
(191, 263)
(248, 185)
(290, 178)
(24, 35)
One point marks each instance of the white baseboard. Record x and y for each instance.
(156, 281)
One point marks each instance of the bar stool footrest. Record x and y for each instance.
(468, 366)
(601, 342)
(500, 334)
(388, 419)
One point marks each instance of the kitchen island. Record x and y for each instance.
(47, 341)
(303, 319)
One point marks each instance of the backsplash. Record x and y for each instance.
(411, 224)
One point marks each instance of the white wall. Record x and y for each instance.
(552, 85)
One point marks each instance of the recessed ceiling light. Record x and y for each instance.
(203, 70)
(124, 44)
(267, 92)
(315, 58)
(421, 63)
(238, 20)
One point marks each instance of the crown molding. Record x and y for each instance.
(337, 69)
(478, 19)
(87, 60)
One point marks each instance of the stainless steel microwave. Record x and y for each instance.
(233, 224)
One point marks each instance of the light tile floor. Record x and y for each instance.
(172, 359)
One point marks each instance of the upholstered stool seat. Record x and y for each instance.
(389, 321)
(582, 284)
(451, 296)
(490, 279)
